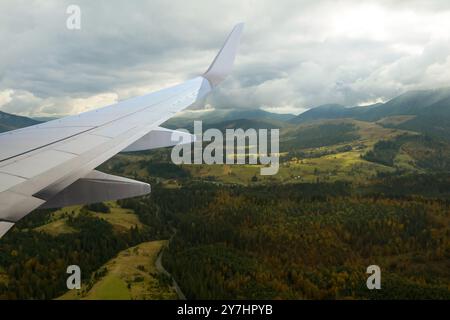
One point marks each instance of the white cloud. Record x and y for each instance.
(5, 96)
(83, 104)
(26, 103)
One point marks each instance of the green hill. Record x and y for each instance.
(10, 122)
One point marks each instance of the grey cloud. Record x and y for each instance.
(294, 54)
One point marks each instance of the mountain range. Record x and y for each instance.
(425, 111)
(420, 102)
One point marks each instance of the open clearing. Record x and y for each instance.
(121, 219)
(130, 275)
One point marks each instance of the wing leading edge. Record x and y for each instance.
(52, 164)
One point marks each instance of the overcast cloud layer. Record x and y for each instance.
(294, 54)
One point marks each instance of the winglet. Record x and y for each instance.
(223, 62)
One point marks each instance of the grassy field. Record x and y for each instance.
(56, 227)
(121, 219)
(130, 275)
(341, 161)
(338, 165)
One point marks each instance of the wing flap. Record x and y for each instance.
(14, 206)
(97, 187)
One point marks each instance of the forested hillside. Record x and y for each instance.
(311, 241)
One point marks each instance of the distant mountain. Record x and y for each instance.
(186, 119)
(258, 114)
(430, 111)
(10, 122)
(410, 103)
(333, 111)
(242, 124)
(44, 119)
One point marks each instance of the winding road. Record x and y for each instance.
(159, 266)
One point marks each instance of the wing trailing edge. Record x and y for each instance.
(97, 187)
(4, 227)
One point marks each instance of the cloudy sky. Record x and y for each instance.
(294, 54)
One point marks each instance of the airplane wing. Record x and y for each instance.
(52, 164)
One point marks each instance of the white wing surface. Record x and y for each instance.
(52, 164)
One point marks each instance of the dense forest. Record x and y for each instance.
(427, 152)
(293, 241)
(308, 241)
